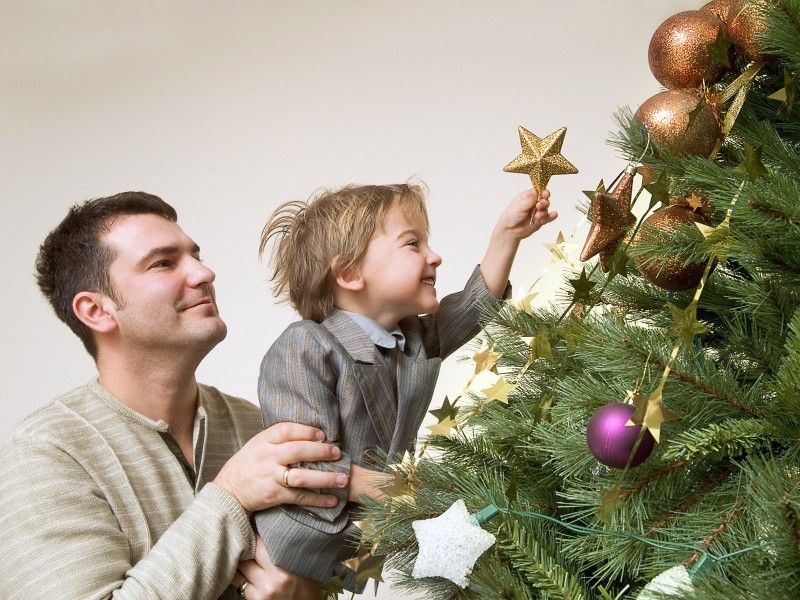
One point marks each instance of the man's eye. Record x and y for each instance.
(160, 264)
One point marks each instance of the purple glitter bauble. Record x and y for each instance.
(611, 441)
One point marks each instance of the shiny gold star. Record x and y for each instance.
(443, 427)
(334, 587)
(445, 410)
(650, 413)
(366, 565)
(716, 240)
(402, 485)
(685, 324)
(752, 164)
(583, 287)
(541, 158)
(499, 391)
(485, 359)
(561, 250)
(601, 187)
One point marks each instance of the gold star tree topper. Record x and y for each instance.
(541, 157)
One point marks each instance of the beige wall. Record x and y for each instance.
(227, 108)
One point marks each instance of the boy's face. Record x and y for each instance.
(399, 270)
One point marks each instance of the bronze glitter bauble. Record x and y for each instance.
(666, 116)
(719, 8)
(745, 21)
(669, 273)
(678, 53)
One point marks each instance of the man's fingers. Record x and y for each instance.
(313, 479)
(287, 432)
(293, 452)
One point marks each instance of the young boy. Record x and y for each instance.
(362, 366)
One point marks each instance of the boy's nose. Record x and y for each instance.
(434, 259)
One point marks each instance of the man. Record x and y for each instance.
(140, 484)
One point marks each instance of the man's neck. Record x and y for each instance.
(159, 390)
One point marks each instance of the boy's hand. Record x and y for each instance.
(526, 213)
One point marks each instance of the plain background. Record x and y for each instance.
(228, 108)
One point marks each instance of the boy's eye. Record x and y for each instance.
(412, 243)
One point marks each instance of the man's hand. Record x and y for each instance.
(255, 474)
(264, 581)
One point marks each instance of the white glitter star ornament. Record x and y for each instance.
(450, 545)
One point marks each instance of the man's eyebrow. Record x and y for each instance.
(161, 251)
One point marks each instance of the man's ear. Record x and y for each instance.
(95, 310)
(348, 279)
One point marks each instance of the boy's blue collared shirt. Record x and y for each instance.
(377, 333)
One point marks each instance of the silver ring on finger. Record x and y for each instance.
(240, 590)
(286, 477)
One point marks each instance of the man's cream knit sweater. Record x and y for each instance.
(93, 503)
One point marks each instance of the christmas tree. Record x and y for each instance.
(642, 436)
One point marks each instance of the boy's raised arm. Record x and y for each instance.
(524, 215)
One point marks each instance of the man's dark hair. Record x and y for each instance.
(73, 257)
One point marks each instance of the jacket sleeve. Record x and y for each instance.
(60, 538)
(458, 319)
(298, 383)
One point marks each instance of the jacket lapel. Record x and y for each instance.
(370, 372)
(416, 380)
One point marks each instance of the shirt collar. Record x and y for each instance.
(377, 333)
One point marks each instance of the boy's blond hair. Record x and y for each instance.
(332, 223)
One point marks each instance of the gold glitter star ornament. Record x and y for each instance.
(541, 158)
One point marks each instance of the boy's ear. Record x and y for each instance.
(348, 279)
(95, 310)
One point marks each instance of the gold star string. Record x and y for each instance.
(601, 187)
(650, 413)
(499, 391)
(334, 587)
(685, 324)
(366, 565)
(485, 360)
(716, 240)
(583, 286)
(403, 485)
(445, 410)
(541, 158)
(788, 94)
(752, 164)
(560, 250)
(444, 427)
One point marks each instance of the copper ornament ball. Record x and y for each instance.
(678, 52)
(666, 116)
(669, 273)
(745, 21)
(719, 8)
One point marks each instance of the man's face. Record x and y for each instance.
(166, 294)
